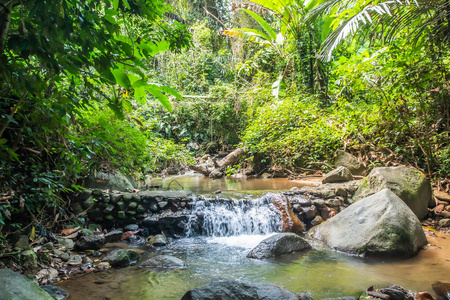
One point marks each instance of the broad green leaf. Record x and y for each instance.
(115, 4)
(251, 35)
(121, 78)
(109, 15)
(154, 48)
(167, 90)
(127, 105)
(155, 91)
(263, 23)
(126, 4)
(133, 78)
(140, 95)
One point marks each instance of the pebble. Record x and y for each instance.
(65, 256)
(75, 260)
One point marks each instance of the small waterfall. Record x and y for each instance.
(221, 218)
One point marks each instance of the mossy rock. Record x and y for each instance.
(127, 197)
(97, 192)
(108, 209)
(132, 205)
(109, 218)
(121, 205)
(140, 209)
(379, 225)
(115, 198)
(123, 258)
(121, 215)
(409, 184)
(18, 287)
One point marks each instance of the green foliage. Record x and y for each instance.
(129, 144)
(295, 132)
(213, 122)
(59, 63)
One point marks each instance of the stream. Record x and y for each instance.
(231, 231)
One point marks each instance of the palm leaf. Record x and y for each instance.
(251, 35)
(263, 23)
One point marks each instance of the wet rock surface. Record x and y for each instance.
(55, 291)
(18, 287)
(112, 180)
(90, 242)
(123, 258)
(395, 292)
(231, 290)
(113, 236)
(279, 244)
(157, 240)
(442, 290)
(163, 262)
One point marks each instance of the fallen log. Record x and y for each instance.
(202, 169)
(231, 158)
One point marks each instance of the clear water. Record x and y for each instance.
(321, 273)
(231, 230)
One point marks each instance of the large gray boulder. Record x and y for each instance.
(278, 244)
(381, 224)
(235, 290)
(14, 286)
(349, 161)
(109, 181)
(409, 184)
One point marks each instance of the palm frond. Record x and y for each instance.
(263, 23)
(248, 34)
(350, 26)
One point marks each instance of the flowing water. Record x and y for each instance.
(230, 230)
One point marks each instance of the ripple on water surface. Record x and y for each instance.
(320, 273)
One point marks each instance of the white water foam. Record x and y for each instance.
(237, 217)
(243, 241)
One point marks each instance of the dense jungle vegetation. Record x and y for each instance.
(143, 85)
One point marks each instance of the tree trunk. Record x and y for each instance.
(231, 158)
(5, 18)
(311, 63)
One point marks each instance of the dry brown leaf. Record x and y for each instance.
(68, 231)
(71, 236)
(438, 209)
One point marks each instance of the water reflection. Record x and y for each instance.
(204, 185)
(319, 273)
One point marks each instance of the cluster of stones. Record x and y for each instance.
(82, 250)
(442, 209)
(112, 208)
(314, 205)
